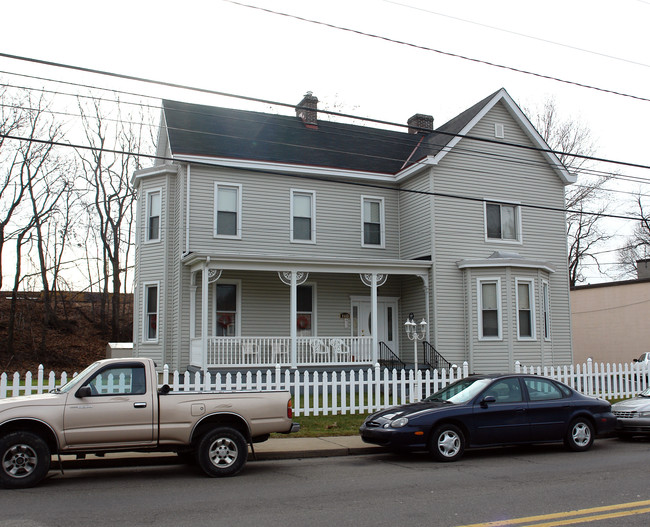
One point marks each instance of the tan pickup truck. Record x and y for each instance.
(115, 405)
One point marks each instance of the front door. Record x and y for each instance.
(386, 320)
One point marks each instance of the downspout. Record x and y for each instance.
(187, 211)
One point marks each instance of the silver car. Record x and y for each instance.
(633, 415)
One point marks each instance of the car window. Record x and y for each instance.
(505, 391)
(119, 381)
(542, 389)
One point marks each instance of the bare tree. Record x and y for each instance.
(111, 196)
(586, 201)
(637, 246)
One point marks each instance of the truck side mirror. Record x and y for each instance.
(82, 392)
(164, 389)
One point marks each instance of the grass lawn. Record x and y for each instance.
(326, 425)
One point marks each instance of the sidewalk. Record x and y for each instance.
(289, 448)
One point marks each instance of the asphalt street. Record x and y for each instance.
(539, 485)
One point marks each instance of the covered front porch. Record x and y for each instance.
(241, 311)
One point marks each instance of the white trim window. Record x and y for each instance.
(303, 216)
(151, 303)
(372, 222)
(489, 308)
(525, 309)
(502, 222)
(152, 228)
(305, 319)
(546, 309)
(227, 210)
(227, 308)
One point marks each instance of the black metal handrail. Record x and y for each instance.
(433, 359)
(388, 359)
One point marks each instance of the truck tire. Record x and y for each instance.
(24, 460)
(222, 452)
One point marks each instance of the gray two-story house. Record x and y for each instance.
(267, 239)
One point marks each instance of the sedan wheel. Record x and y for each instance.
(580, 435)
(447, 443)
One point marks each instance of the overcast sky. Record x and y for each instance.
(218, 45)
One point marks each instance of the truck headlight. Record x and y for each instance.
(644, 414)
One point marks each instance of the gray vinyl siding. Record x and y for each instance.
(415, 211)
(266, 216)
(412, 300)
(151, 268)
(487, 171)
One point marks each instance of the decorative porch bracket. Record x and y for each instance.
(293, 279)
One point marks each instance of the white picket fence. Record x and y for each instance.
(363, 390)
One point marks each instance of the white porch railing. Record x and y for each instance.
(261, 352)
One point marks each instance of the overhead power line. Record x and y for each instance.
(439, 51)
(314, 178)
(518, 34)
(293, 106)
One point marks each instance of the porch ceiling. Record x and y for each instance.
(197, 261)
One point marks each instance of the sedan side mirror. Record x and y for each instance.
(82, 392)
(487, 400)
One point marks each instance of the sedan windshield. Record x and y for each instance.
(461, 391)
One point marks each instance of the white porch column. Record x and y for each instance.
(293, 330)
(204, 316)
(375, 336)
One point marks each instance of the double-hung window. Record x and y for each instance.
(525, 310)
(372, 222)
(152, 233)
(150, 333)
(303, 216)
(227, 215)
(502, 222)
(489, 308)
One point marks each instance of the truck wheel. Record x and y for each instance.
(222, 452)
(24, 460)
(580, 435)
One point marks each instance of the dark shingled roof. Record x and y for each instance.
(255, 136)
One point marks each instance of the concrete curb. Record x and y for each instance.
(273, 449)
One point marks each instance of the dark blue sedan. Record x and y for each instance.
(491, 410)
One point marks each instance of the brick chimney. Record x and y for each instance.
(643, 269)
(307, 110)
(420, 124)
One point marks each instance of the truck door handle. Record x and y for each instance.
(139, 405)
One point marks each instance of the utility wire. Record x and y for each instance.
(314, 178)
(328, 112)
(447, 53)
(516, 33)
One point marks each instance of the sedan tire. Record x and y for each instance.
(447, 443)
(24, 460)
(580, 435)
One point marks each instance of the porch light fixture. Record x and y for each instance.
(412, 333)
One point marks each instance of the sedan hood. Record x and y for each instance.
(407, 410)
(638, 404)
